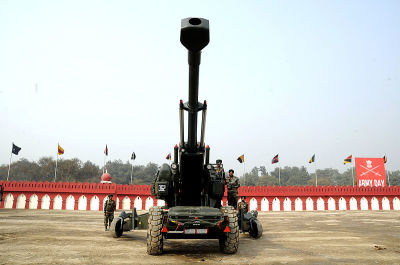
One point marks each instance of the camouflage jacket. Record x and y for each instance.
(220, 172)
(109, 207)
(243, 206)
(233, 184)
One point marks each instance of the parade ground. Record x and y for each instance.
(78, 237)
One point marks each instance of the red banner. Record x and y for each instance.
(370, 172)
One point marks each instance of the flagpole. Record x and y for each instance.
(131, 172)
(352, 175)
(244, 172)
(316, 177)
(388, 176)
(55, 173)
(279, 170)
(9, 165)
(104, 163)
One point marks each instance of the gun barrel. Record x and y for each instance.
(193, 98)
(195, 35)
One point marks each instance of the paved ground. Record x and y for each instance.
(77, 237)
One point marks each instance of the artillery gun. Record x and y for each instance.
(190, 186)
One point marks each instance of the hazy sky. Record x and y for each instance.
(288, 77)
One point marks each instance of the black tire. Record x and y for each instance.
(115, 228)
(154, 236)
(229, 242)
(255, 228)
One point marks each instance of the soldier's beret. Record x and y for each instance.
(218, 161)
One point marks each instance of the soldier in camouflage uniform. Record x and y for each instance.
(1, 192)
(109, 209)
(219, 169)
(243, 205)
(232, 183)
(243, 208)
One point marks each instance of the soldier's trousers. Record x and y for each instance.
(232, 200)
(108, 218)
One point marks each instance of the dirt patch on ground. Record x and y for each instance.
(78, 237)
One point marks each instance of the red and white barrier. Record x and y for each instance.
(91, 196)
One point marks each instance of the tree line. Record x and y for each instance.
(79, 171)
(299, 176)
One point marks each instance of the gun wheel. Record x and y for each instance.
(229, 242)
(154, 236)
(115, 228)
(255, 229)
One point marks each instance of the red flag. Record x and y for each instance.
(275, 159)
(106, 151)
(348, 159)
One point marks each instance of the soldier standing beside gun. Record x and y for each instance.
(243, 205)
(232, 183)
(1, 192)
(219, 169)
(243, 208)
(109, 209)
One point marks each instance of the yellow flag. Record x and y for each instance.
(60, 150)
